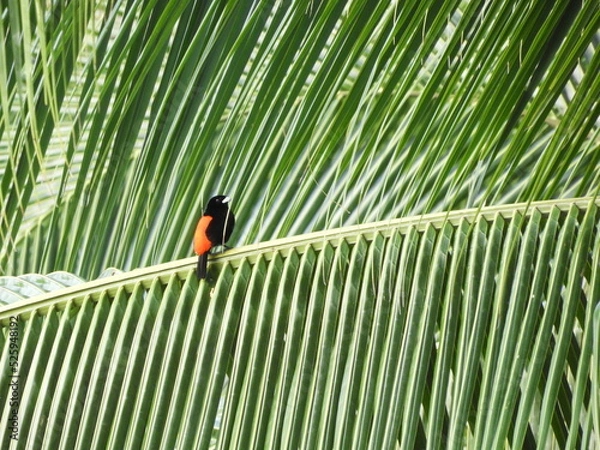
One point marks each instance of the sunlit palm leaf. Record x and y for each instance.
(441, 331)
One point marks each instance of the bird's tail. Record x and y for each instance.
(201, 267)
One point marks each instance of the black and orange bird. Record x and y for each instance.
(214, 228)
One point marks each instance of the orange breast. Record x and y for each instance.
(201, 243)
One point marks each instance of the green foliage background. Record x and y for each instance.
(118, 119)
(126, 116)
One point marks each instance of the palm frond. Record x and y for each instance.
(469, 329)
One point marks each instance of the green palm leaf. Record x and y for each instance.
(474, 329)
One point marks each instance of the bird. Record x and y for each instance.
(214, 228)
